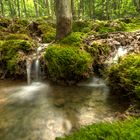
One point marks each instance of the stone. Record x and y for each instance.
(59, 102)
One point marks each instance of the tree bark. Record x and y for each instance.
(36, 8)
(2, 8)
(18, 6)
(25, 10)
(64, 18)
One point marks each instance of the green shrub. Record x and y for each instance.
(127, 130)
(124, 77)
(73, 39)
(67, 63)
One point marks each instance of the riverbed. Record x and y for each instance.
(44, 111)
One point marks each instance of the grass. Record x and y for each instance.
(126, 130)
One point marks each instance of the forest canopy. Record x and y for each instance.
(81, 9)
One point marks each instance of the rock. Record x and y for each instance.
(59, 102)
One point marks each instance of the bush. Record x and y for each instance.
(127, 130)
(124, 77)
(67, 63)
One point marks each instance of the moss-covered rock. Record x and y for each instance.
(4, 22)
(48, 37)
(73, 39)
(108, 26)
(10, 51)
(17, 37)
(82, 26)
(124, 77)
(67, 63)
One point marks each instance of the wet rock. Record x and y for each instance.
(59, 102)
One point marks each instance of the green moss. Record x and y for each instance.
(17, 37)
(67, 63)
(9, 51)
(73, 39)
(124, 77)
(133, 25)
(82, 26)
(48, 37)
(127, 130)
(108, 26)
(4, 22)
(22, 22)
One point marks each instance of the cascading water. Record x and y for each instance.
(37, 64)
(28, 69)
(33, 64)
(121, 51)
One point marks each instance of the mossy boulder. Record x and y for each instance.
(124, 77)
(4, 22)
(109, 26)
(82, 26)
(48, 37)
(73, 39)
(67, 63)
(17, 37)
(11, 51)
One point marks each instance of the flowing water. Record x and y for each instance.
(44, 111)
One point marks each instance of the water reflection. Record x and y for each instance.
(43, 111)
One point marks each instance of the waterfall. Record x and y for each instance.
(28, 69)
(33, 64)
(37, 64)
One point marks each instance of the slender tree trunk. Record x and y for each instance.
(47, 7)
(107, 10)
(18, 7)
(25, 10)
(2, 8)
(81, 8)
(73, 9)
(36, 8)
(64, 18)
(11, 8)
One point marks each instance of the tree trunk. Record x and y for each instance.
(81, 8)
(11, 8)
(73, 9)
(36, 8)
(18, 6)
(2, 8)
(64, 18)
(25, 11)
(47, 7)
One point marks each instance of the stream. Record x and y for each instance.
(44, 111)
